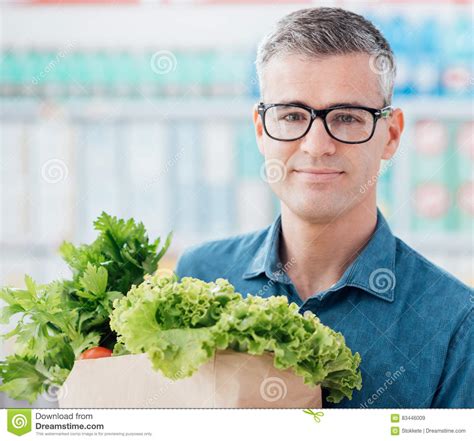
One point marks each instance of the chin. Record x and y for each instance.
(317, 205)
(318, 211)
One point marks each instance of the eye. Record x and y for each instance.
(345, 118)
(292, 117)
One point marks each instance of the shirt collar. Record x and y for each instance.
(373, 270)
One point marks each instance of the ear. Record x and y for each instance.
(395, 129)
(257, 122)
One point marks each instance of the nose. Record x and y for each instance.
(317, 141)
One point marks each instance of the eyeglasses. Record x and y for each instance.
(348, 124)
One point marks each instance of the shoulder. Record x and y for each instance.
(220, 258)
(429, 285)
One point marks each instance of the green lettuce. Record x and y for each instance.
(180, 325)
(59, 320)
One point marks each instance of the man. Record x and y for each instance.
(324, 125)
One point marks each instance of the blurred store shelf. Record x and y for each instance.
(156, 124)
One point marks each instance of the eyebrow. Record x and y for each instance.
(302, 103)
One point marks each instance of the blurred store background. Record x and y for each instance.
(143, 109)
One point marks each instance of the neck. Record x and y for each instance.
(317, 254)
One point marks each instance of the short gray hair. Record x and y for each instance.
(320, 32)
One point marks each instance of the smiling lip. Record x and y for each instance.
(319, 175)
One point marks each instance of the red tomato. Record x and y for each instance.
(97, 352)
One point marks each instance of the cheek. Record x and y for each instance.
(361, 162)
(278, 150)
(277, 165)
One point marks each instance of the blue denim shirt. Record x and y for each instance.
(411, 322)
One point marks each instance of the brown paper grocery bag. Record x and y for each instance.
(230, 380)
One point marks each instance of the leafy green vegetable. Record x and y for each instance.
(122, 248)
(180, 325)
(60, 320)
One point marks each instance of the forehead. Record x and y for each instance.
(322, 82)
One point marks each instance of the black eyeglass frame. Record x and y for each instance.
(315, 113)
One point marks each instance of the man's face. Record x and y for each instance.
(305, 186)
